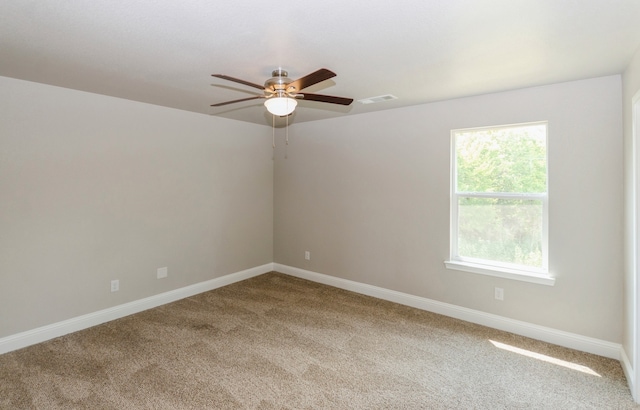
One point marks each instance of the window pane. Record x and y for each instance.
(504, 230)
(502, 160)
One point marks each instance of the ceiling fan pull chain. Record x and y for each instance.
(273, 130)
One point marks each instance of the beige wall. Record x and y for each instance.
(631, 86)
(368, 196)
(94, 188)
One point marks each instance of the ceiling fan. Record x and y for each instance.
(281, 92)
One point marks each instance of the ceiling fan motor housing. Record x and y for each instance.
(278, 81)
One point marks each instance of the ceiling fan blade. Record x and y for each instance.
(326, 98)
(235, 101)
(237, 80)
(311, 79)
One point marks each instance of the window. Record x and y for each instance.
(499, 201)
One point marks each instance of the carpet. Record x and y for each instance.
(279, 342)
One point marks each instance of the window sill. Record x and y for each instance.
(524, 276)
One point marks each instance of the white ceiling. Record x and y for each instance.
(164, 51)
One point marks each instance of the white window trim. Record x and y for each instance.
(491, 268)
(506, 273)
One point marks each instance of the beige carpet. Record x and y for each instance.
(277, 342)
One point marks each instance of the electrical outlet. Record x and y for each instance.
(307, 255)
(162, 272)
(115, 285)
(499, 293)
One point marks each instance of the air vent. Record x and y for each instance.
(378, 99)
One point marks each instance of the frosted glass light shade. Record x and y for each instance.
(280, 105)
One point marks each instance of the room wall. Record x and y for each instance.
(631, 86)
(94, 188)
(368, 196)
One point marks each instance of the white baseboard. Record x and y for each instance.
(75, 324)
(561, 338)
(627, 367)
(557, 337)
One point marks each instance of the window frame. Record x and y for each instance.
(507, 270)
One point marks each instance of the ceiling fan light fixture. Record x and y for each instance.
(280, 105)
